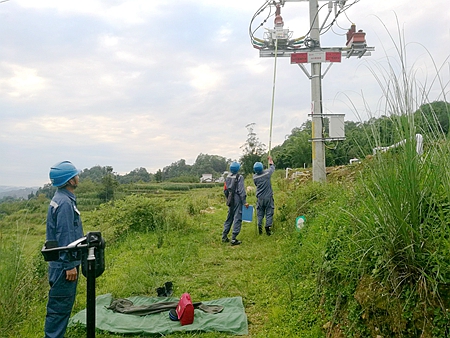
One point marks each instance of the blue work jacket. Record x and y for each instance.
(263, 184)
(64, 226)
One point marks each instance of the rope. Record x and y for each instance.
(273, 95)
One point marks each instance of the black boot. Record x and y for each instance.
(268, 232)
(168, 286)
(235, 242)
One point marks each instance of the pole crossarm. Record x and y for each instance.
(346, 51)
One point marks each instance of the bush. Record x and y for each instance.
(135, 213)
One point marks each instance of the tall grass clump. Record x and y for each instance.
(22, 283)
(399, 235)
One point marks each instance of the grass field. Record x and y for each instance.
(334, 278)
(186, 250)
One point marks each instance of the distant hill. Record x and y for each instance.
(16, 192)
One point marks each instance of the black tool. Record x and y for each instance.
(91, 250)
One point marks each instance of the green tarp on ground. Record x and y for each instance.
(231, 320)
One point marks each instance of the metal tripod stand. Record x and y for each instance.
(91, 248)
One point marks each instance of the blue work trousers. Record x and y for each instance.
(265, 208)
(61, 298)
(234, 217)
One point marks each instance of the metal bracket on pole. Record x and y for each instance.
(304, 70)
(326, 70)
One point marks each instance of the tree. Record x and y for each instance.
(47, 190)
(159, 176)
(134, 176)
(209, 164)
(176, 169)
(296, 150)
(109, 184)
(433, 118)
(253, 150)
(96, 173)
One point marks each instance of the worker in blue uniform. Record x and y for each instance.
(64, 227)
(234, 190)
(265, 205)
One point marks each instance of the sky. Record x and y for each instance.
(146, 83)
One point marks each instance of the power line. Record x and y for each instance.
(278, 43)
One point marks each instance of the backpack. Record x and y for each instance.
(230, 192)
(185, 309)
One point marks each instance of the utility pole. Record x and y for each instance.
(318, 145)
(278, 42)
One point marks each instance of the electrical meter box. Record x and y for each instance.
(336, 126)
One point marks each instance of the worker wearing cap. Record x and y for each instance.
(64, 227)
(264, 195)
(234, 185)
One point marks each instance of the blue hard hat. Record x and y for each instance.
(258, 167)
(62, 172)
(234, 167)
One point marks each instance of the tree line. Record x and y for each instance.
(295, 152)
(362, 137)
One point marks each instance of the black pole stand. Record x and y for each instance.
(90, 301)
(91, 250)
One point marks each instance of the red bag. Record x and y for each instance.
(185, 310)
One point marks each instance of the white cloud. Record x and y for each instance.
(109, 41)
(21, 81)
(80, 6)
(205, 77)
(224, 34)
(256, 66)
(132, 12)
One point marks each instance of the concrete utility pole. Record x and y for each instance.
(278, 43)
(318, 145)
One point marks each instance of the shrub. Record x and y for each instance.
(135, 213)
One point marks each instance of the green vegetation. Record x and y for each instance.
(372, 258)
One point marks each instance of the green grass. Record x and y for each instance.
(184, 248)
(334, 278)
(196, 261)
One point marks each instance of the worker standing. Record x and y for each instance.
(265, 205)
(234, 190)
(63, 227)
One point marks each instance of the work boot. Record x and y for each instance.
(169, 288)
(235, 242)
(268, 232)
(260, 229)
(225, 240)
(161, 291)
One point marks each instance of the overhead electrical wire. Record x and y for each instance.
(339, 12)
(260, 43)
(308, 42)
